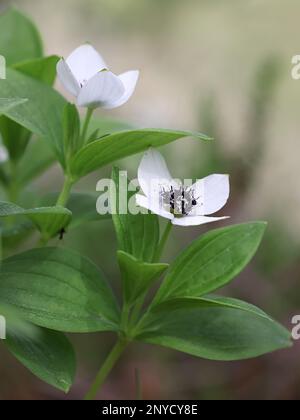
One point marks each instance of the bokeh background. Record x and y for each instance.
(222, 67)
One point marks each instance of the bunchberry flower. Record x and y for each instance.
(85, 75)
(182, 204)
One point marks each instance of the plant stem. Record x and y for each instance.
(13, 193)
(61, 201)
(87, 120)
(137, 308)
(65, 193)
(124, 318)
(106, 368)
(162, 242)
(42, 242)
(12, 187)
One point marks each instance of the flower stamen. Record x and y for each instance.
(179, 201)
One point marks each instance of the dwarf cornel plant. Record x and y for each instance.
(48, 291)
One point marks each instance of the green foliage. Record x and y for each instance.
(48, 220)
(81, 205)
(43, 69)
(7, 103)
(120, 145)
(137, 276)
(137, 235)
(71, 129)
(20, 39)
(41, 114)
(47, 354)
(213, 328)
(212, 261)
(52, 290)
(58, 289)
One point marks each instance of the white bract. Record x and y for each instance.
(183, 204)
(85, 75)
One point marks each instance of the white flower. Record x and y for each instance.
(169, 198)
(85, 75)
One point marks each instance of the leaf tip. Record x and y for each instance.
(202, 136)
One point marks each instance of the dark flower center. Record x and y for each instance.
(179, 201)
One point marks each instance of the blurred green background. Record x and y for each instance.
(222, 67)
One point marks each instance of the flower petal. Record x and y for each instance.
(153, 174)
(67, 78)
(211, 193)
(100, 90)
(129, 80)
(85, 62)
(195, 220)
(147, 203)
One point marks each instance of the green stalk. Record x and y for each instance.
(42, 242)
(125, 317)
(86, 124)
(61, 201)
(106, 368)
(136, 312)
(137, 309)
(65, 193)
(69, 182)
(162, 242)
(12, 189)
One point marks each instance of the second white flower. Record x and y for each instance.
(85, 75)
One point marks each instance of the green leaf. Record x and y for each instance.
(42, 114)
(212, 261)
(13, 322)
(48, 220)
(120, 145)
(43, 69)
(15, 136)
(19, 39)
(71, 127)
(10, 130)
(47, 354)
(213, 328)
(7, 103)
(58, 289)
(137, 276)
(138, 234)
(82, 206)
